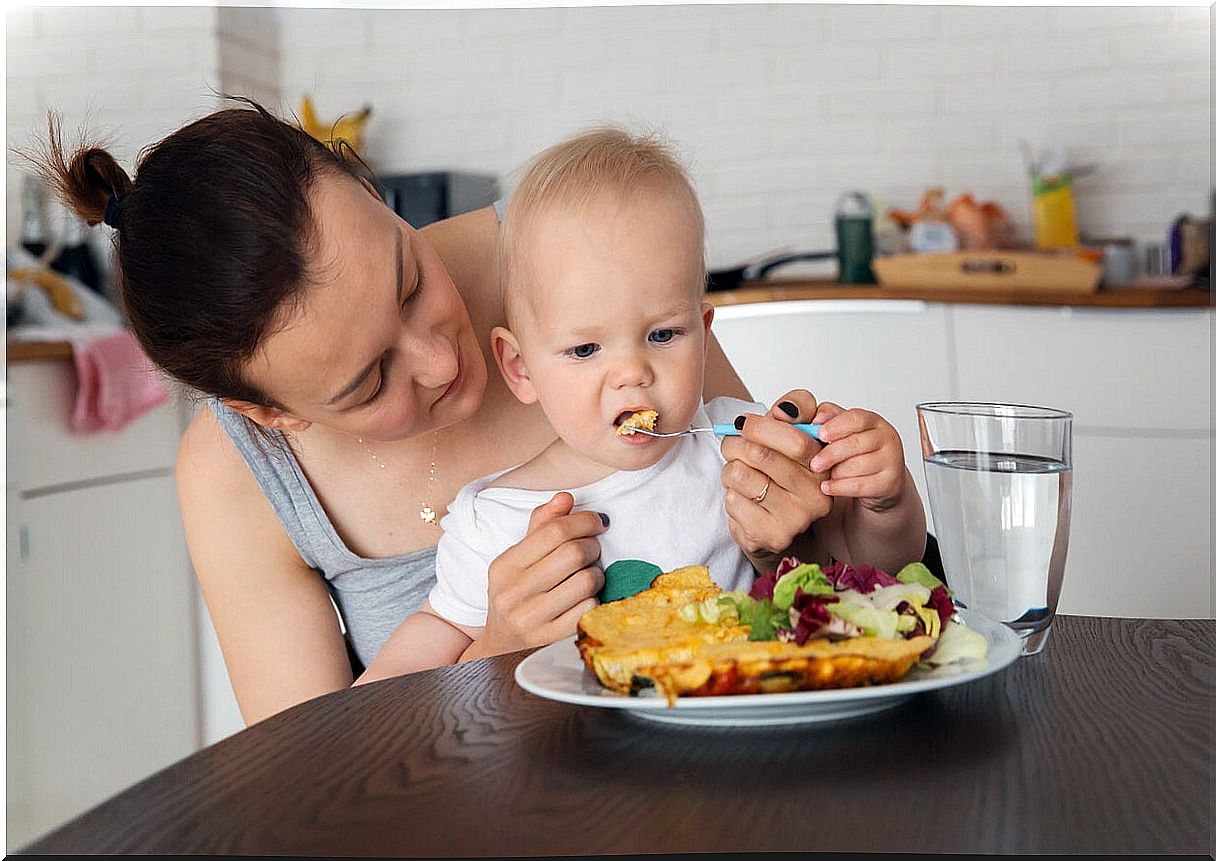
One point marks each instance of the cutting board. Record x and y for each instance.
(988, 270)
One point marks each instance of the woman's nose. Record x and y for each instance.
(432, 361)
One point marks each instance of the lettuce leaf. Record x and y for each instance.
(808, 579)
(958, 643)
(918, 573)
(873, 623)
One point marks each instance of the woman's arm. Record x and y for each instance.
(277, 627)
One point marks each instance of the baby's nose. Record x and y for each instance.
(632, 371)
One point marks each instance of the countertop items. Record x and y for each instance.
(810, 289)
(1101, 744)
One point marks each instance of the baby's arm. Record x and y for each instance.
(423, 641)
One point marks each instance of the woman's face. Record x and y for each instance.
(379, 344)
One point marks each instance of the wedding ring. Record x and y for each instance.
(759, 497)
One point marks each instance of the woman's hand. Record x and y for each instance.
(864, 457)
(539, 588)
(773, 496)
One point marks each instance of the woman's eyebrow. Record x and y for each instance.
(349, 389)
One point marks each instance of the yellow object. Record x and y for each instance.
(348, 127)
(641, 419)
(1055, 214)
(55, 286)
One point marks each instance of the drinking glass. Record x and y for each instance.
(1000, 491)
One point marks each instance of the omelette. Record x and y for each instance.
(645, 641)
(644, 419)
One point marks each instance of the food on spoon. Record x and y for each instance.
(644, 419)
(800, 628)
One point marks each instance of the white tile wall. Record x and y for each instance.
(780, 108)
(127, 75)
(777, 108)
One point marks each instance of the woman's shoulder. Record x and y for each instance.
(466, 244)
(208, 462)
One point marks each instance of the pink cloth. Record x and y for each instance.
(116, 383)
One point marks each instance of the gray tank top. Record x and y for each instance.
(373, 596)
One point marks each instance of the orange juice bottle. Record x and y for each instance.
(1055, 213)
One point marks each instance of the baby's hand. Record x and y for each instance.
(862, 455)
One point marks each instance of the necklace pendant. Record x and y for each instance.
(427, 514)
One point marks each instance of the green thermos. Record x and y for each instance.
(855, 238)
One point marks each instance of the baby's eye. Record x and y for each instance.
(583, 351)
(662, 336)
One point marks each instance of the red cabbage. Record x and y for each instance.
(940, 601)
(764, 585)
(812, 614)
(860, 578)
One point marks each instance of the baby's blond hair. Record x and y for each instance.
(572, 173)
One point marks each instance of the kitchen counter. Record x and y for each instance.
(794, 289)
(33, 351)
(801, 289)
(786, 289)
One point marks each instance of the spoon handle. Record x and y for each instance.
(811, 430)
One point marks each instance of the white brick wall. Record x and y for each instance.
(777, 108)
(127, 75)
(780, 108)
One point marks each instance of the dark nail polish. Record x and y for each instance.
(739, 420)
(603, 518)
(789, 408)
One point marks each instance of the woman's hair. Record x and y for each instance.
(213, 236)
(575, 171)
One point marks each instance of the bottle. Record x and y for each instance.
(34, 235)
(75, 258)
(855, 238)
(1055, 214)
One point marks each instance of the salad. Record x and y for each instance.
(803, 601)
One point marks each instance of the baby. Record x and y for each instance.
(603, 270)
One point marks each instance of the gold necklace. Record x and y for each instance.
(426, 514)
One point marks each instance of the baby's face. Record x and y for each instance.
(612, 321)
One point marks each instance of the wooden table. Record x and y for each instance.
(1101, 744)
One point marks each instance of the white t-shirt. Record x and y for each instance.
(670, 514)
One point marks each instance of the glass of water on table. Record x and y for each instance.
(1000, 491)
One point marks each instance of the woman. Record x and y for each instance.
(351, 396)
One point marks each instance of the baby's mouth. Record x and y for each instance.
(642, 417)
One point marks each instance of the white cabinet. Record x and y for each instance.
(1138, 383)
(1139, 386)
(884, 356)
(102, 642)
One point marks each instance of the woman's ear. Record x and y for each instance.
(511, 364)
(268, 417)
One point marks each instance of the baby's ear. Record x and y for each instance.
(707, 315)
(511, 364)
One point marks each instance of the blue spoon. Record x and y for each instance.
(811, 430)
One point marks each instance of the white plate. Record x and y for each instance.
(557, 672)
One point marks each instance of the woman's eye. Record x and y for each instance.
(583, 351)
(413, 294)
(662, 336)
(377, 393)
